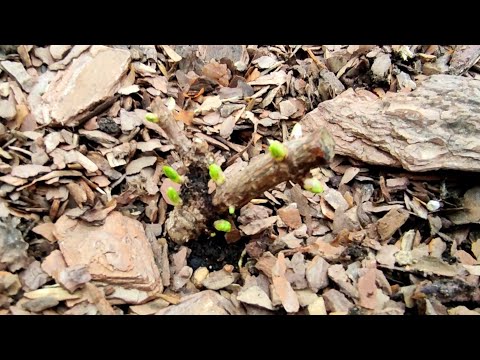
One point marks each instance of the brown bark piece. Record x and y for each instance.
(266, 263)
(386, 255)
(40, 304)
(96, 296)
(258, 226)
(290, 216)
(415, 130)
(464, 57)
(317, 307)
(170, 127)
(254, 295)
(218, 280)
(73, 277)
(251, 212)
(26, 171)
(77, 193)
(13, 180)
(335, 301)
(13, 249)
(18, 72)
(149, 308)
(9, 283)
(33, 276)
(471, 208)
(287, 295)
(136, 165)
(58, 51)
(391, 222)
(367, 289)
(263, 172)
(465, 258)
(206, 302)
(118, 252)
(84, 88)
(338, 275)
(53, 264)
(316, 273)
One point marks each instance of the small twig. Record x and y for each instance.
(315, 59)
(264, 172)
(11, 141)
(169, 125)
(93, 185)
(116, 183)
(26, 152)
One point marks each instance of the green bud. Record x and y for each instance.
(313, 185)
(213, 234)
(277, 150)
(172, 174)
(231, 210)
(173, 196)
(216, 174)
(222, 225)
(151, 117)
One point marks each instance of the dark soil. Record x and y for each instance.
(214, 252)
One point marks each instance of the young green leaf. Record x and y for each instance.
(216, 174)
(313, 185)
(151, 117)
(277, 150)
(172, 174)
(222, 225)
(231, 210)
(173, 196)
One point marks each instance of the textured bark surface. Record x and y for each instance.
(436, 126)
(187, 222)
(264, 172)
(85, 88)
(117, 252)
(464, 57)
(169, 125)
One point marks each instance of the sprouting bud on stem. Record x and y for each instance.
(231, 210)
(172, 174)
(173, 196)
(277, 150)
(313, 185)
(216, 174)
(222, 225)
(152, 117)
